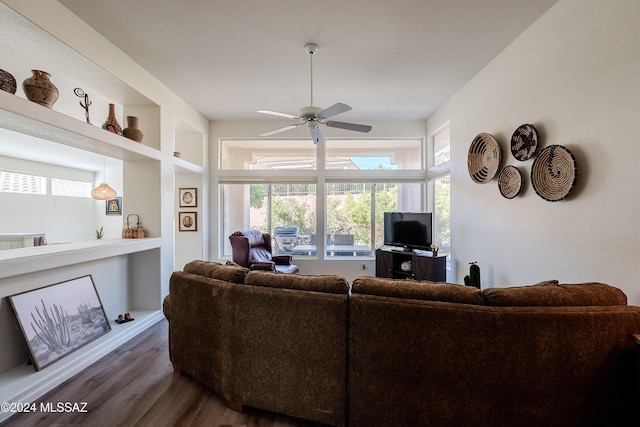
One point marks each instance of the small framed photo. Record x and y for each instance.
(114, 207)
(188, 197)
(187, 221)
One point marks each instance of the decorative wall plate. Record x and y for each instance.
(524, 142)
(510, 182)
(483, 159)
(554, 173)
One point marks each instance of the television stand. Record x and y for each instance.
(424, 266)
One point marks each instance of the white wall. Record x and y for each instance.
(188, 244)
(575, 75)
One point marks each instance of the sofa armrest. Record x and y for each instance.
(166, 307)
(282, 259)
(266, 266)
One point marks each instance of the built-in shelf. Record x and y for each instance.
(26, 117)
(184, 167)
(14, 262)
(132, 275)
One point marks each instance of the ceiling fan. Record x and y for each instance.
(313, 116)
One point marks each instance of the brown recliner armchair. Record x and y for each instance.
(252, 249)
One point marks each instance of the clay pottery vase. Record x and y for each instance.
(111, 124)
(132, 131)
(39, 89)
(7, 82)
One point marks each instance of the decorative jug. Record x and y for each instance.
(132, 131)
(39, 89)
(111, 124)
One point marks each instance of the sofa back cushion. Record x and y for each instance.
(323, 283)
(215, 270)
(422, 290)
(550, 294)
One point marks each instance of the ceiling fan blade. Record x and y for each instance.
(349, 126)
(273, 132)
(334, 110)
(316, 134)
(277, 113)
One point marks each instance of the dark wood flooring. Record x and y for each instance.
(135, 385)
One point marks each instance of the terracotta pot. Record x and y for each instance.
(111, 124)
(132, 131)
(39, 89)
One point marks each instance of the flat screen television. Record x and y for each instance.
(409, 230)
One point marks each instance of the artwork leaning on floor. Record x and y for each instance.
(58, 319)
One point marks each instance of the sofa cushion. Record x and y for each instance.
(323, 283)
(215, 270)
(583, 294)
(422, 290)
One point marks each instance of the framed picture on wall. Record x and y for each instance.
(188, 221)
(114, 207)
(188, 197)
(58, 319)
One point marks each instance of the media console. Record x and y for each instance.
(424, 266)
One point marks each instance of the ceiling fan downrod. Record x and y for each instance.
(311, 48)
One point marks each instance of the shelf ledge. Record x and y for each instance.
(14, 262)
(29, 118)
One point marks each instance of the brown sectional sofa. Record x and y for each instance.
(261, 339)
(390, 352)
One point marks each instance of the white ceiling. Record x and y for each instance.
(387, 59)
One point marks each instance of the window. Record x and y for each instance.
(352, 229)
(441, 147)
(267, 154)
(70, 188)
(442, 212)
(394, 154)
(348, 219)
(326, 200)
(13, 182)
(269, 208)
(439, 179)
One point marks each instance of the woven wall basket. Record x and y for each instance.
(554, 173)
(510, 182)
(524, 142)
(483, 159)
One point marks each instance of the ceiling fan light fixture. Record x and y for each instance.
(312, 116)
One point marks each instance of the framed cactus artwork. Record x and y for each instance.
(58, 319)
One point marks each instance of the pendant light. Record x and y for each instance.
(103, 191)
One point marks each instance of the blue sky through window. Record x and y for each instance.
(373, 162)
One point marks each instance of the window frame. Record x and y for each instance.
(42, 187)
(435, 173)
(319, 176)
